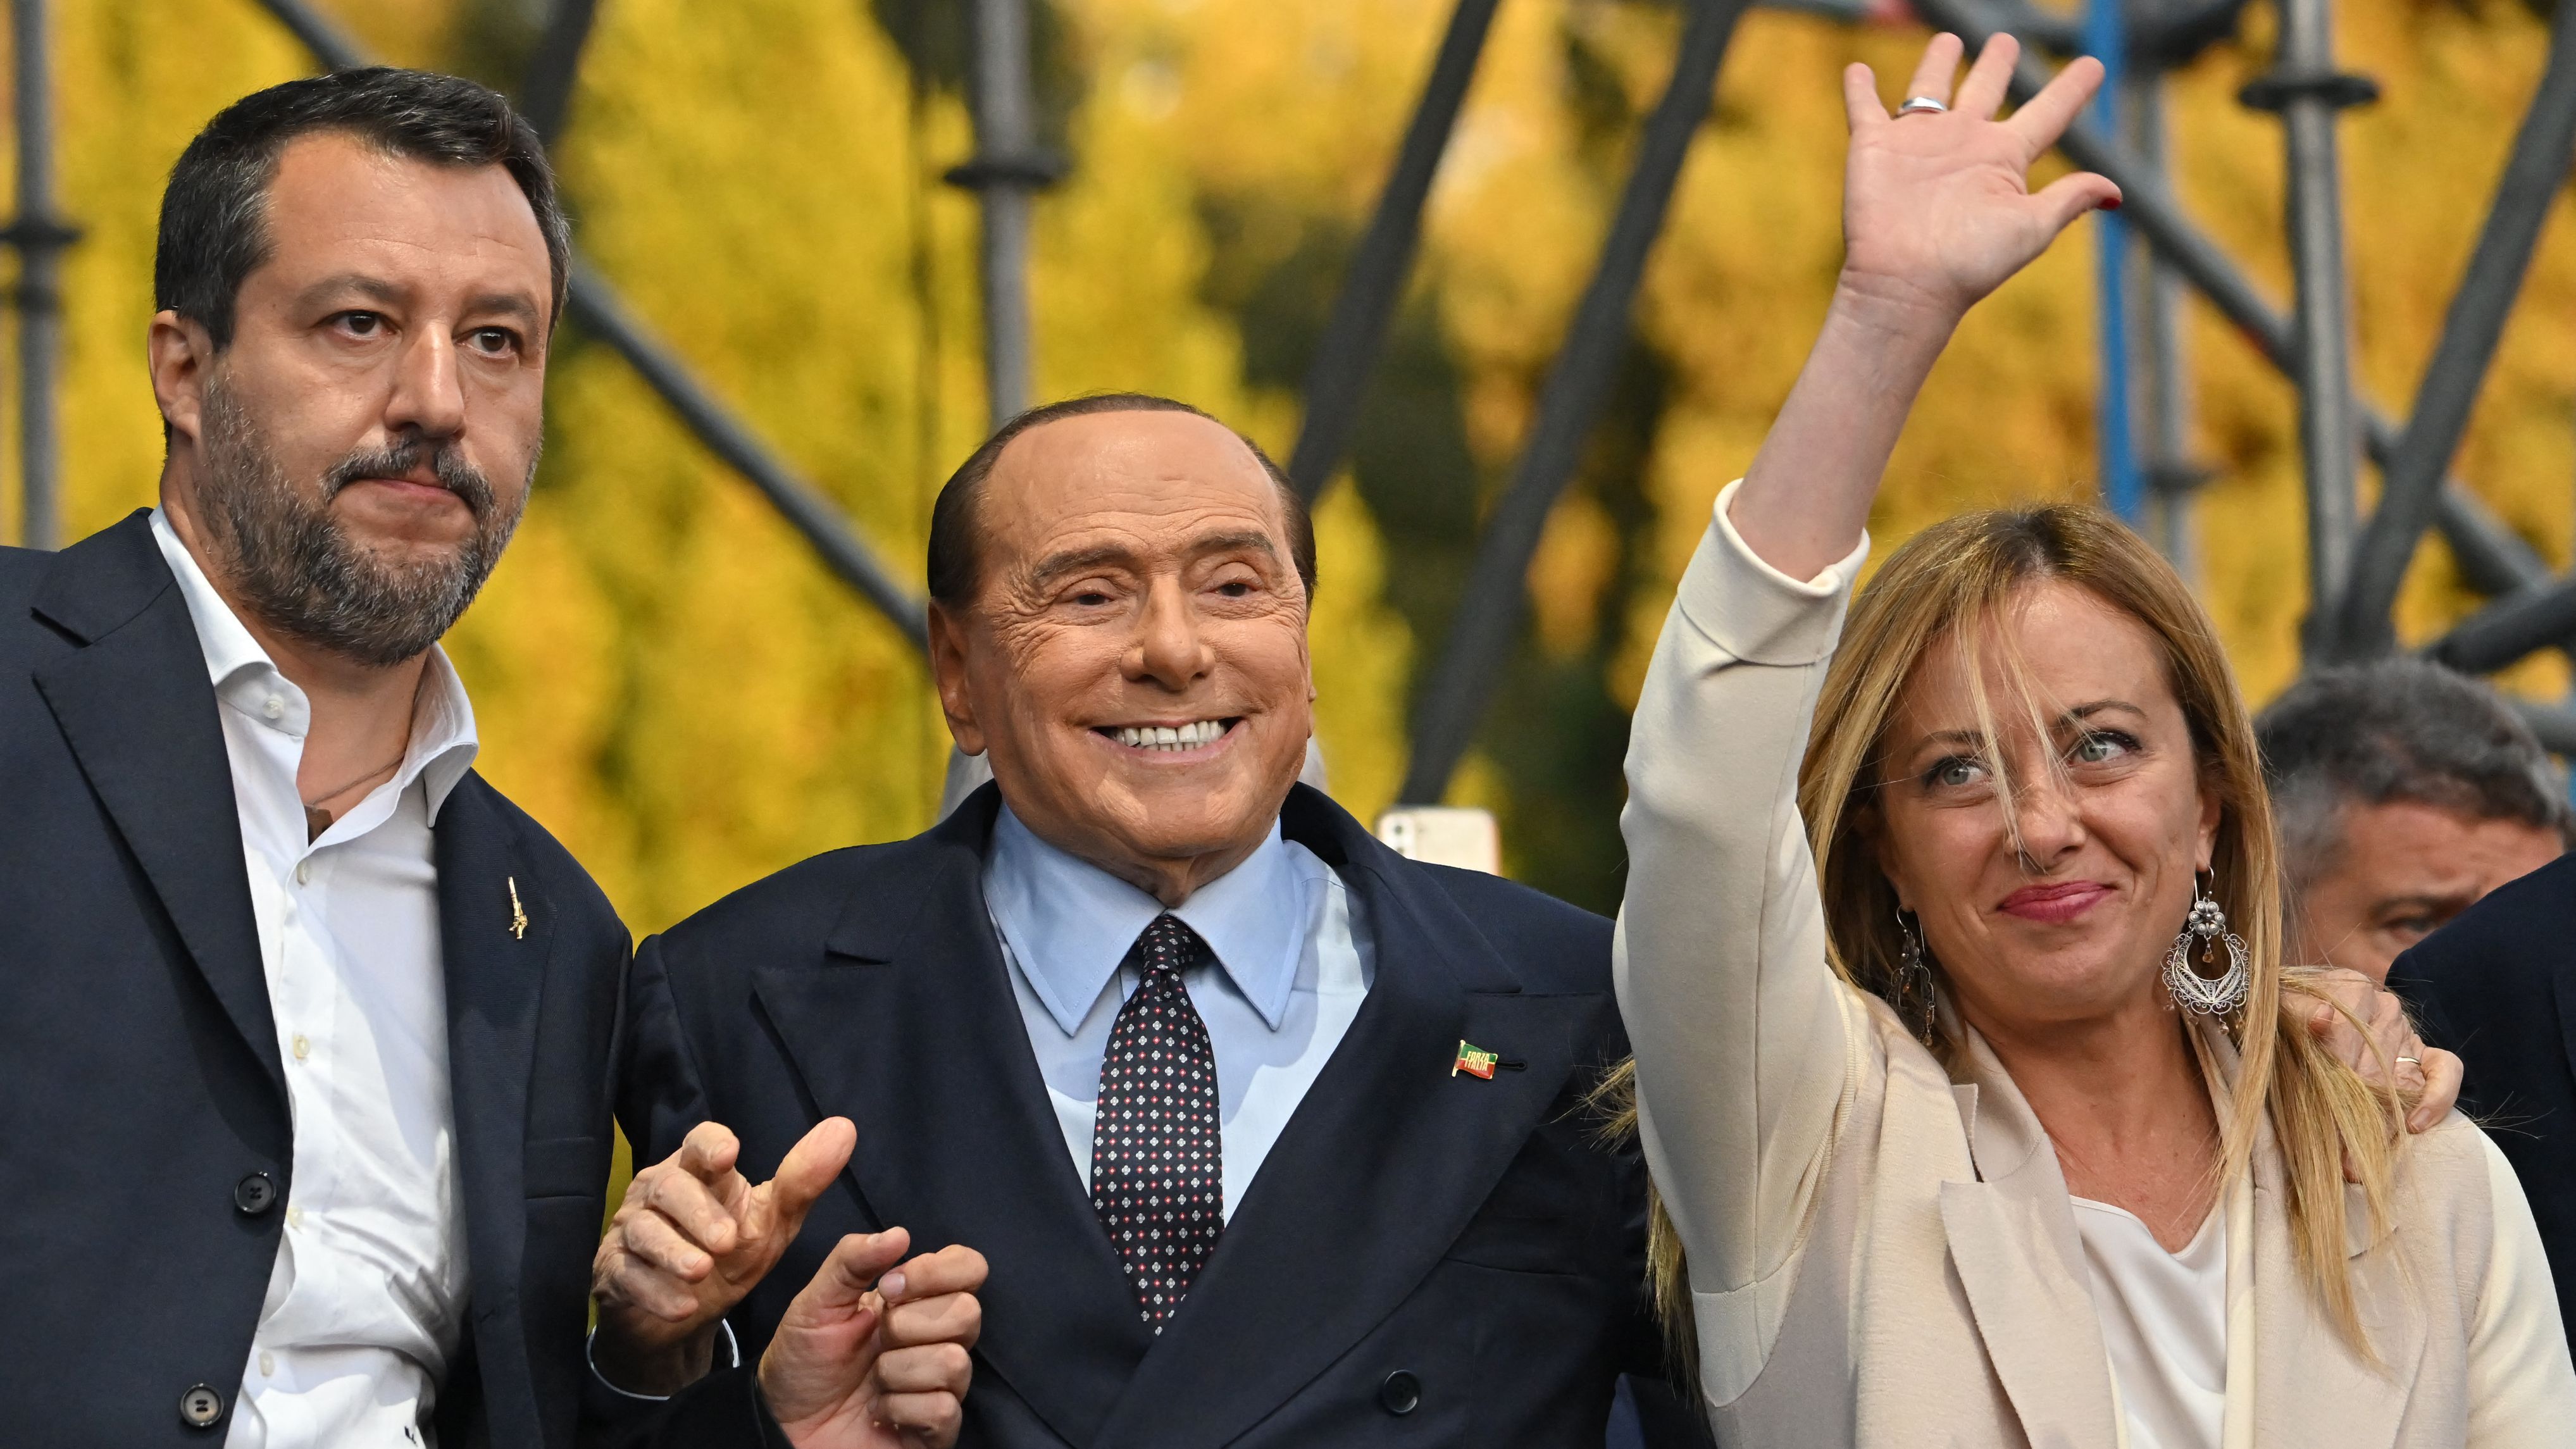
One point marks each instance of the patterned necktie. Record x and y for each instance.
(1157, 1178)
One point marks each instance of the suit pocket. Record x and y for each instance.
(567, 1167)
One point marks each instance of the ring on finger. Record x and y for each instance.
(2416, 1062)
(1923, 106)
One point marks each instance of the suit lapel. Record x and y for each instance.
(2013, 1241)
(1379, 1171)
(138, 712)
(910, 1029)
(494, 974)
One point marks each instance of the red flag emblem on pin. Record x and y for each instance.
(1475, 1061)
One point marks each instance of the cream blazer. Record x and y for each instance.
(1881, 1254)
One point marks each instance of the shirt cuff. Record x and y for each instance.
(724, 1332)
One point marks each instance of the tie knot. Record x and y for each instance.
(1169, 945)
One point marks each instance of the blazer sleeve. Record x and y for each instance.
(1746, 1042)
(659, 1098)
(2522, 1389)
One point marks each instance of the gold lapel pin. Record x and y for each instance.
(518, 913)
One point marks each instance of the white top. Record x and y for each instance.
(1291, 974)
(2164, 1320)
(366, 1298)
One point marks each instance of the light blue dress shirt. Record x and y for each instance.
(1292, 968)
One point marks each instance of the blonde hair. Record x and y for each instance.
(1959, 580)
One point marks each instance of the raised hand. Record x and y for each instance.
(1937, 212)
(1937, 209)
(855, 1366)
(692, 1237)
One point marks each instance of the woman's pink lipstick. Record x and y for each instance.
(2056, 904)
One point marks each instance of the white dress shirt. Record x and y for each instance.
(1292, 969)
(366, 1298)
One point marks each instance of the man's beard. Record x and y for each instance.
(294, 566)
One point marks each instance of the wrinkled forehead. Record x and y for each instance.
(1154, 485)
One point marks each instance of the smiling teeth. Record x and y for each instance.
(1166, 737)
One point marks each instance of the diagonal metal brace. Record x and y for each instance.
(1454, 699)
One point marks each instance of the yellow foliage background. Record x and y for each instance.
(667, 679)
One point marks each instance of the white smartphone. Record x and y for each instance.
(1444, 835)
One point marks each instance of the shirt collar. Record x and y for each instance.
(1069, 923)
(443, 740)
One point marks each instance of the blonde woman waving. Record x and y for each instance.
(1961, 1059)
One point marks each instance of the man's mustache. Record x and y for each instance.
(446, 463)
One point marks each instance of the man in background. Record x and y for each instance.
(2409, 796)
(2403, 793)
(305, 1031)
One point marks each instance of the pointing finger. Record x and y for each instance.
(804, 1174)
(2049, 113)
(693, 1207)
(852, 1268)
(708, 1152)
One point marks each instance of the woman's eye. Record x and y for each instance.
(1954, 773)
(2099, 747)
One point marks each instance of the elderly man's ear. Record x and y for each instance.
(948, 672)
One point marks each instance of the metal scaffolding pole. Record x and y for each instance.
(545, 95)
(2308, 92)
(2535, 170)
(1374, 288)
(2164, 373)
(2491, 557)
(1007, 171)
(1453, 701)
(40, 238)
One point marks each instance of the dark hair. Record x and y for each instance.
(2398, 729)
(956, 537)
(213, 231)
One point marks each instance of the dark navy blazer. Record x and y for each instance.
(140, 1082)
(1426, 1258)
(2498, 986)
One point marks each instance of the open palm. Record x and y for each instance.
(1937, 209)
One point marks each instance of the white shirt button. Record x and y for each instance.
(274, 707)
(267, 1364)
(294, 1216)
(304, 872)
(303, 1048)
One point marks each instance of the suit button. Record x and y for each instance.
(1401, 1393)
(200, 1406)
(255, 1194)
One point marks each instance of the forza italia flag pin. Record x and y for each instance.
(1475, 1061)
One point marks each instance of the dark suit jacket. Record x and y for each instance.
(1425, 1258)
(140, 1082)
(2498, 986)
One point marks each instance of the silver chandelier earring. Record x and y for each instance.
(1916, 1002)
(2205, 933)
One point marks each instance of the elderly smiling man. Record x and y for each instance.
(1271, 1136)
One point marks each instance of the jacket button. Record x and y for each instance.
(200, 1406)
(254, 1195)
(1401, 1393)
